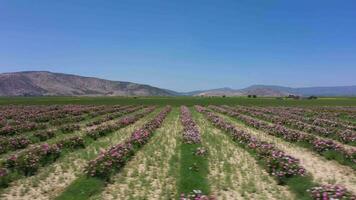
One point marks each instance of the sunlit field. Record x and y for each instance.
(178, 101)
(177, 148)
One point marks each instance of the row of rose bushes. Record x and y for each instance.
(191, 133)
(115, 157)
(327, 148)
(324, 116)
(104, 129)
(28, 162)
(331, 192)
(277, 163)
(322, 127)
(315, 117)
(93, 114)
(20, 142)
(114, 113)
(58, 118)
(346, 136)
(17, 114)
(43, 113)
(25, 113)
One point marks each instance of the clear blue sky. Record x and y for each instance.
(184, 44)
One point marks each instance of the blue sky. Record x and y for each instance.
(184, 44)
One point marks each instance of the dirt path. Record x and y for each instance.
(324, 171)
(147, 175)
(52, 180)
(234, 173)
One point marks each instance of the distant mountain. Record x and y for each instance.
(217, 92)
(327, 91)
(279, 91)
(43, 83)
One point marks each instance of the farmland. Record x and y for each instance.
(177, 148)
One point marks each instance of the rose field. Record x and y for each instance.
(196, 150)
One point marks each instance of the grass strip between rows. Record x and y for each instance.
(194, 169)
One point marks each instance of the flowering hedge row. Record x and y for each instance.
(277, 163)
(114, 114)
(21, 119)
(191, 133)
(103, 130)
(44, 135)
(332, 192)
(28, 161)
(322, 146)
(13, 143)
(316, 126)
(69, 128)
(114, 158)
(325, 116)
(72, 143)
(20, 142)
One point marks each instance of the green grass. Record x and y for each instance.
(299, 185)
(178, 101)
(83, 188)
(193, 170)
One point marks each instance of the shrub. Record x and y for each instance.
(29, 161)
(330, 192)
(44, 135)
(69, 128)
(71, 143)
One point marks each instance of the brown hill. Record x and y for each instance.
(42, 83)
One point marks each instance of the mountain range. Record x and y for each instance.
(44, 83)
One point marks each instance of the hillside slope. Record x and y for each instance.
(42, 83)
(280, 91)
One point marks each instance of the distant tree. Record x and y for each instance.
(254, 96)
(223, 96)
(312, 97)
(249, 96)
(291, 96)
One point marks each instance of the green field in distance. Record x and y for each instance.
(177, 101)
